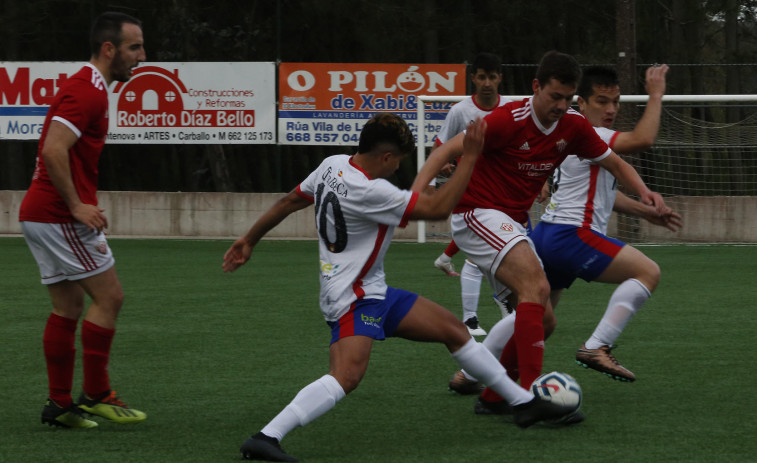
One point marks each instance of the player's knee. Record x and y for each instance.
(116, 300)
(111, 302)
(350, 385)
(541, 291)
(348, 380)
(550, 323)
(456, 336)
(651, 276)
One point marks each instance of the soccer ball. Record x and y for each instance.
(558, 387)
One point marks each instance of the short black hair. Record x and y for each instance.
(596, 75)
(559, 66)
(487, 62)
(386, 128)
(107, 28)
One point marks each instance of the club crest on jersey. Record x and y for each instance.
(340, 173)
(561, 144)
(102, 247)
(508, 227)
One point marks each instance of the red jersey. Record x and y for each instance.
(520, 154)
(82, 105)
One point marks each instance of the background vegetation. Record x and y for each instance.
(710, 45)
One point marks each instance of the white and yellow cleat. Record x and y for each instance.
(111, 408)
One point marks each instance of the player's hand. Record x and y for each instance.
(237, 255)
(650, 198)
(91, 216)
(473, 143)
(655, 80)
(447, 169)
(543, 194)
(668, 219)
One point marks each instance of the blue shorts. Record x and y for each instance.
(569, 252)
(375, 318)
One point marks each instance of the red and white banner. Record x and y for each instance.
(163, 103)
(328, 103)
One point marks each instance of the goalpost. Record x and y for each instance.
(703, 162)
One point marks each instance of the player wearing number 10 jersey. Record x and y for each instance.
(356, 211)
(355, 216)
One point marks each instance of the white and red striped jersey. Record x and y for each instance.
(463, 113)
(355, 216)
(583, 192)
(519, 155)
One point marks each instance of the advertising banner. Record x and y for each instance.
(328, 103)
(162, 103)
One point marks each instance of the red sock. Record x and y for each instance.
(96, 341)
(452, 249)
(509, 360)
(60, 354)
(529, 341)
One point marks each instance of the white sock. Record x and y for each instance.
(312, 401)
(624, 303)
(444, 258)
(474, 357)
(470, 289)
(498, 336)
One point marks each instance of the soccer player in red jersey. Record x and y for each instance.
(525, 141)
(486, 75)
(63, 227)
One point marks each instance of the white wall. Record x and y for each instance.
(229, 215)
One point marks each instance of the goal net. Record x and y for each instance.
(703, 162)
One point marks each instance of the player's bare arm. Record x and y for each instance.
(437, 160)
(645, 132)
(668, 218)
(239, 252)
(543, 195)
(440, 204)
(631, 180)
(58, 142)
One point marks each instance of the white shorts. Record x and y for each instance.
(67, 251)
(486, 236)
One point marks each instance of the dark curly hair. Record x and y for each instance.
(386, 128)
(559, 66)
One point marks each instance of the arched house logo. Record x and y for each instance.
(154, 98)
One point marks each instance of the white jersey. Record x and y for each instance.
(355, 216)
(463, 113)
(584, 192)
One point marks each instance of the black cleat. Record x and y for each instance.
(572, 418)
(540, 410)
(484, 407)
(68, 417)
(262, 447)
